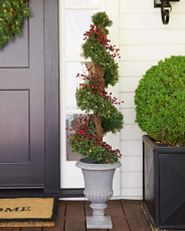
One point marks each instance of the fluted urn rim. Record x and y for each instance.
(93, 166)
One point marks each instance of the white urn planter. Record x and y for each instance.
(98, 190)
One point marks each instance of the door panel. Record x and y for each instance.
(22, 106)
(15, 138)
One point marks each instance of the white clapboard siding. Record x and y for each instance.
(129, 115)
(129, 84)
(131, 164)
(151, 52)
(144, 41)
(147, 6)
(179, 8)
(131, 147)
(130, 193)
(134, 68)
(128, 99)
(131, 132)
(131, 179)
(152, 36)
(136, 6)
(131, 185)
(151, 20)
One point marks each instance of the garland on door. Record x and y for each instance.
(12, 15)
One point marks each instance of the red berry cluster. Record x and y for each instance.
(99, 34)
(113, 99)
(82, 130)
(82, 127)
(113, 51)
(101, 37)
(93, 85)
(115, 152)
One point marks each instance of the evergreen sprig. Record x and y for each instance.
(98, 54)
(101, 19)
(111, 118)
(98, 49)
(12, 15)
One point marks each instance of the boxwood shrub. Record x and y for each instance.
(160, 101)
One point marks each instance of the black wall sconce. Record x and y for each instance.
(166, 8)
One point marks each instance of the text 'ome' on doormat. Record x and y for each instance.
(28, 209)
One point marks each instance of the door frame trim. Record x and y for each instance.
(52, 103)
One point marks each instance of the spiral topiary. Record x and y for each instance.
(102, 115)
(160, 101)
(12, 15)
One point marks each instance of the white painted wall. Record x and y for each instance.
(144, 40)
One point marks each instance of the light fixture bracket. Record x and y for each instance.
(166, 8)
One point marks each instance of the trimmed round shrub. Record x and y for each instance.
(160, 101)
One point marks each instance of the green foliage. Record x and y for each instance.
(12, 15)
(102, 115)
(160, 101)
(85, 143)
(98, 52)
(101, 19)
(112, 119)
(91, 149)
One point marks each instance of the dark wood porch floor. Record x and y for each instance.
(126, 216)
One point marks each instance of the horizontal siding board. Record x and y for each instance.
(129, 84)
(131, 147)
(152, 37)
(129, 116)
(132, 193)
(134, 68)
(139, 20)
(144, 6)
(180, 7)
(151, 52)
(128, 99)
(131, 164)
(131, 179)
(131, 132)
(136, 6)
(151, 21)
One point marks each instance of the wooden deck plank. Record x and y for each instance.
(135, 216)
(118, 217)
(31, 229)
(75, 218)
(10, 229)
(60, 221)
(126, 216)
(88, 212)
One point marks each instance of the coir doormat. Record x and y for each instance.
(24, 210)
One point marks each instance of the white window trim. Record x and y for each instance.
(111, 7)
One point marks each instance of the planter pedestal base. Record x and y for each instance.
(94, 223)
(98, 220)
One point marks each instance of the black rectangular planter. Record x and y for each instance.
(164, 184)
